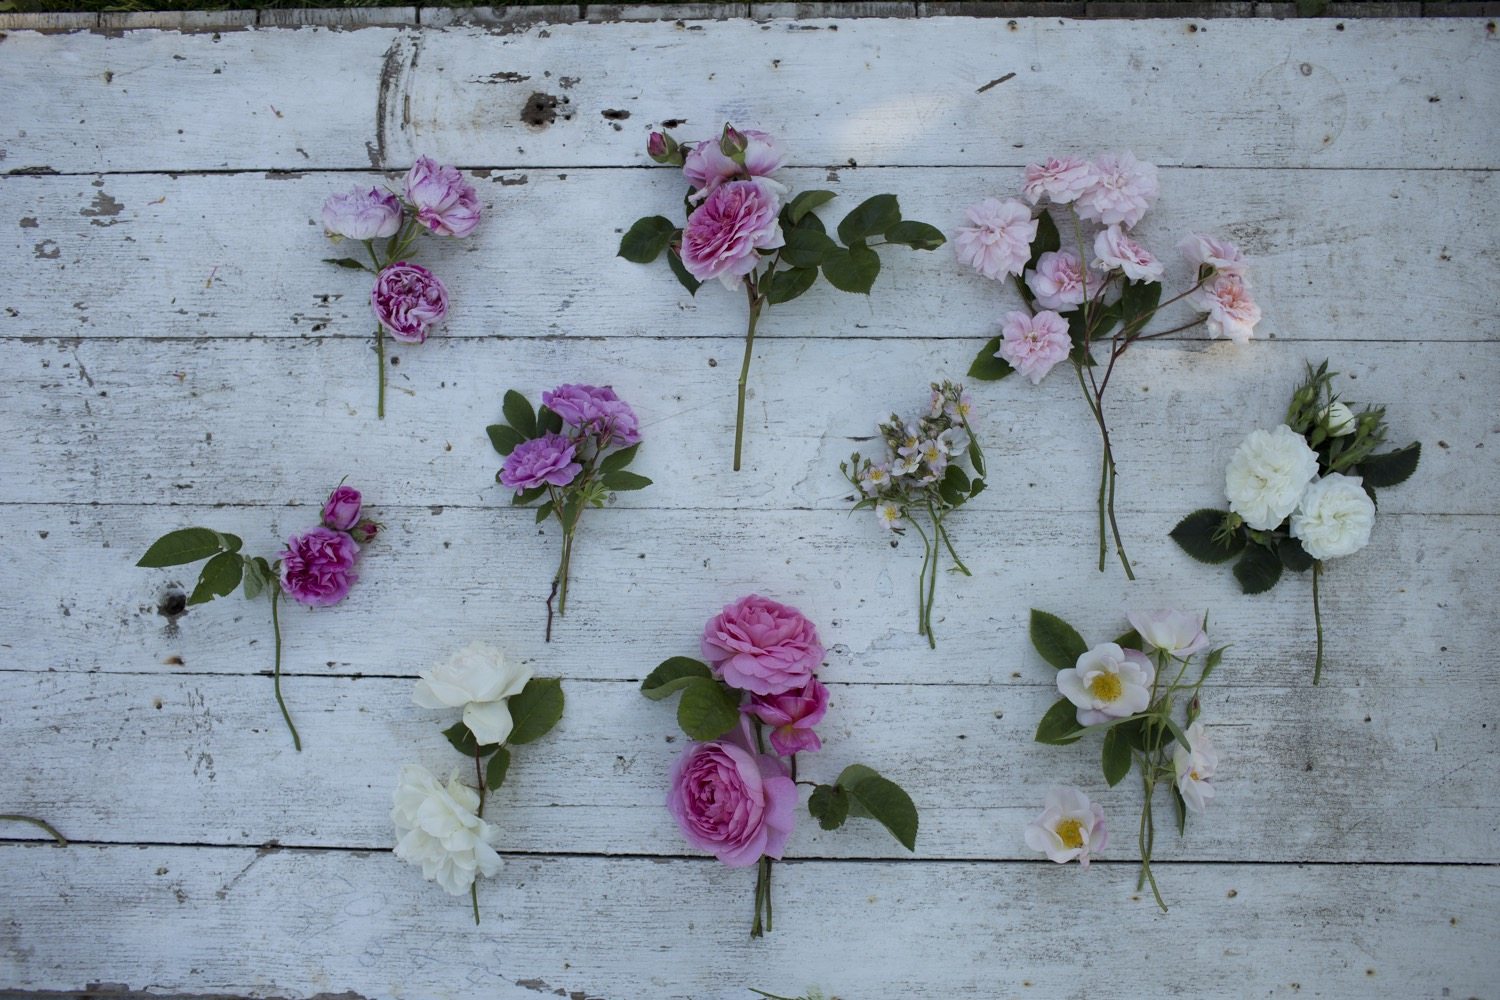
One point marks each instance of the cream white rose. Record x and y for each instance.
(1267, 474)
(479, 679)
(1335, 517)
(1108, 683)
(439, 830)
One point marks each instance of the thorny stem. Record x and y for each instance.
(34, 821)
(1318, 621)
(1176, 329)
(276, 627)
(756, 302)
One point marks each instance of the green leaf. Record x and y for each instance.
(1177, 733)
(806, 247)
(976, 456)
(829, 805)
(535, 710)
(707, 710)
(464, 742)
(186, 545)
(1047, 239)
(504, 438)
(615, 461)
(1128, 640)
(988, 365)
(674, 261)
(519, 414)
(1057, 641)
(882, 800)
(1138, 300)
(871, 217)
(622, 482)
(525, 497)
(1116, 756)
(257, 576)
(546, 421)
(1059, 726)
(348, 262)
(805, 202)
(220, 576)
(645, 240)
(673, 675)
(1391, 468)
(494, 771)
(545, 511)
(852, 270)
(1293, 556)
(1179, 809)
(917, 235)
(1258, 569)
(1201, 536)
(954, 486)
(789, 283)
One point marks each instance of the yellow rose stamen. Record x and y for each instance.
(1106, 686)
(1070, 832)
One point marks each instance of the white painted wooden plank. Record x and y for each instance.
(644, 582)
(293, 923)
(1378, 772)
(158, 256)
(121, 421)
(1239, 93)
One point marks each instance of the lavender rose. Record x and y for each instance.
(595, 410)
(724, 233)
(445, 202)
(341, 509)
(409, 300)
(734, 804)
(763, 647)
(362, 214)
(792, 716)
(547, 460)
(317, 567)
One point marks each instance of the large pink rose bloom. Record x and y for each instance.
(362, 214)
(1033, 344)
(1120, 190)
(445, 202)
(734, 804)
(706, 166)
(1231, 311)
(317, 567)
(1114, 250)
(725, 234)
(998, 243)
(549, 460)
(763, 647)
(792, 716)
(1057, 281)
(1061, 179)
(409, 300)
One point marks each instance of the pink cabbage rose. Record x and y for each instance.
(998, 244)
(1231, 311)
(445, 202)
(362, 214)
(706, 166)
(1033, 344)
(792, 716)
(409, 300)
(1115, 251)
(734, 804)
(725, 234)
(760, 646)
(1121, 189)
(317, 567)
(595, 410)
(1057, 280)
(1062, 179)
(549, 460)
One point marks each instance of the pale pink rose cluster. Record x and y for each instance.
(997, 241)
(1112, 189)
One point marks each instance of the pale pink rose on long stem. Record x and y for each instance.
(1231, 311)
(998, 244)
(1121, 189)
(1062, 179)
(1057, 281)
(725, 234)
(1113, 250)
(1033, 344)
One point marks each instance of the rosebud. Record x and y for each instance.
(733, 144)
(365, 531)
(1337, 419)
(663, 149)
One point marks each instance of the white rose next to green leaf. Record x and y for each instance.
(439, 830)
(1267, 474)
(478, 679)
(1335, 517)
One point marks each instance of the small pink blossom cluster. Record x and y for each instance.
(317, 566)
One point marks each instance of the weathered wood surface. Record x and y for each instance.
(172, 352)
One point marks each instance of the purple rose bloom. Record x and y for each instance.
(445, 202)
(706, 166)
(793, 715)
(362, 214)
(732, 803)
(317, 567)
(408, 300)
(725, 234)
(544, 460)
(595, 410)
(341, 509)
(763, 647)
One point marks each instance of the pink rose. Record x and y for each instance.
(595, 410)
(1033, 344)
(1113, 250)
(763, 647)
(998, 243)
(1223, 256)
(706, 166)
(1231, 311)
(725, 234)
(341, 509)
(1120, 190)
(1057, 280)
(792, 716)
(549, 460)
(362, 214)
(409, 300)
(734, 804)
(445, 202)
(1061, 179)
(317, 566)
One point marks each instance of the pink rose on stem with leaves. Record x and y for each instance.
(362, 214)
(706, 166)
(791, 716)
(446, 203)
(1232, 313)
(317, 567)
(732, 803)
(1115, 251)
(1034, 344)
(341, 509)
(998, 243)
(1120, 190)
(542, 461)
(409, 300)
(1221, 255)
(1059, 179)
(725, 234)
(1057, 281)
(595, 410)
(760, 646)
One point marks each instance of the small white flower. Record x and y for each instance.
(905, 465)
(1267, 474)
(874, 479)
(961, 410)
(1069, 827)
(479, 679)
(889, 514)
(439, 829)
(933, 453)
(1338, 419)
(954, 441)
(1335, 517)
(1177, 633)
(1108, 683)
(1195, 767)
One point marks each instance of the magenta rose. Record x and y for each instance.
(365, 531)
(763, 647)
(445, 202)
(409, 300)
(732, 803)
(706, 166)
(725, 234)
(541, 461)
(362, 214)
(595, 410)
(317, 567)
(341, 509)
(792, 716)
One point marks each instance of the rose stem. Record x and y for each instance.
(924, 626)
(276, 627)
(18, 818)
(937, 529)
(562, 569)
(1148, 836)
(474, 885)
(380, 367)
(1318, 621)
(756, 301)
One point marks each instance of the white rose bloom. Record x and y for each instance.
(1267, 474)
(1194, 768)
(1177, 633)
(478, 679)
(1069, 827)
(1338, 418)
(1108, 683)
(438, 828)
(889, 514)
(1334, 518)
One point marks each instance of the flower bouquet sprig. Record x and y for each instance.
(742, 229)
(571, 454)
(1301, 493)
(408, 300)
(1074, 305)
(315, 569)
(759, 686)
(440, 827)
(922, 473)
(1128, 691)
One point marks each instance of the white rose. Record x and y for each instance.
(1194, 767)
(1334, 518)
(1108, 683)
(1267, 474)
(1177, 633)
(1069, 827)
(479, 679)
(438, 828)
(1338, 418)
